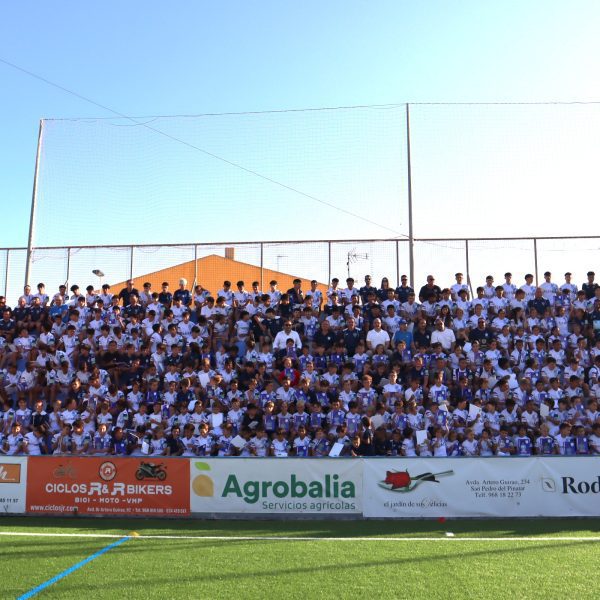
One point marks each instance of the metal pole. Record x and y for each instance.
(328, 263)
(467, 267)
(262, 265)
(411, 239)
(397, 263)
(195, 265)
(33, 203)
(6, 274)
(68, 266)
(131, 262)
(535, 261)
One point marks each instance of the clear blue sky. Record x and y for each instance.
(146, 58)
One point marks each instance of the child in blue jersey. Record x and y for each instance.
(102, 440)
(545, 444)
(582, 444)
(469, 446)
(269, 418)
(302, 443)
(336, 416)
(353, 418)
(317, 418)
(319, 447)
(522, 442)
(224, 441)
(280, 447)
(565, 441)
(504, 444)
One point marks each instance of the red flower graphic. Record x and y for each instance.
(400, 479)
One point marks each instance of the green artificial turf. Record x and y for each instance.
(231, 568)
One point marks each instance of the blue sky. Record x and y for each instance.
(148, 58)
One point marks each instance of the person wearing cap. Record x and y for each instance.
(367, 289)
(403, 290)
(183, 294)
(589, 287)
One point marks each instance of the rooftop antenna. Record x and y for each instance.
(354, 257)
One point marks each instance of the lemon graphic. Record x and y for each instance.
(203, 485)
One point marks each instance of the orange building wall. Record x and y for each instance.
(212, 271)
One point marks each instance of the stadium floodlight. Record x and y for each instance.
(99, 274)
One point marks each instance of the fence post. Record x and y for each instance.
(68, 266)
(468, 267)
(262, 250)
(33, 204)
(397, 263)
(131, 262)
(535, 261)
(411, 239)
(195, 267)
(328, 263)
(6, 274)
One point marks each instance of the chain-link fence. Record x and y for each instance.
(322, 260)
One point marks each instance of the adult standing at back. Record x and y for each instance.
(183, 294)
(589, 287)
(428, 288)
(366, 289)
(126, 293)
(403, 290)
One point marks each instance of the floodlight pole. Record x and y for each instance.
(411, 239)
(33, 203)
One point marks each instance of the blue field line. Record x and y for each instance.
(70, 570)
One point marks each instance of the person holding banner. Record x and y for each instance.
(523, 443)
(545, 444)
(565, 441)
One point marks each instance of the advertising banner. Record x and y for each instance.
(570, 487)
(490, 487)
(108, 486)
(276, 486)
(13, 478)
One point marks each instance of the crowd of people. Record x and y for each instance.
(512, 370)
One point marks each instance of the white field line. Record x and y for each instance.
(264, 538)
